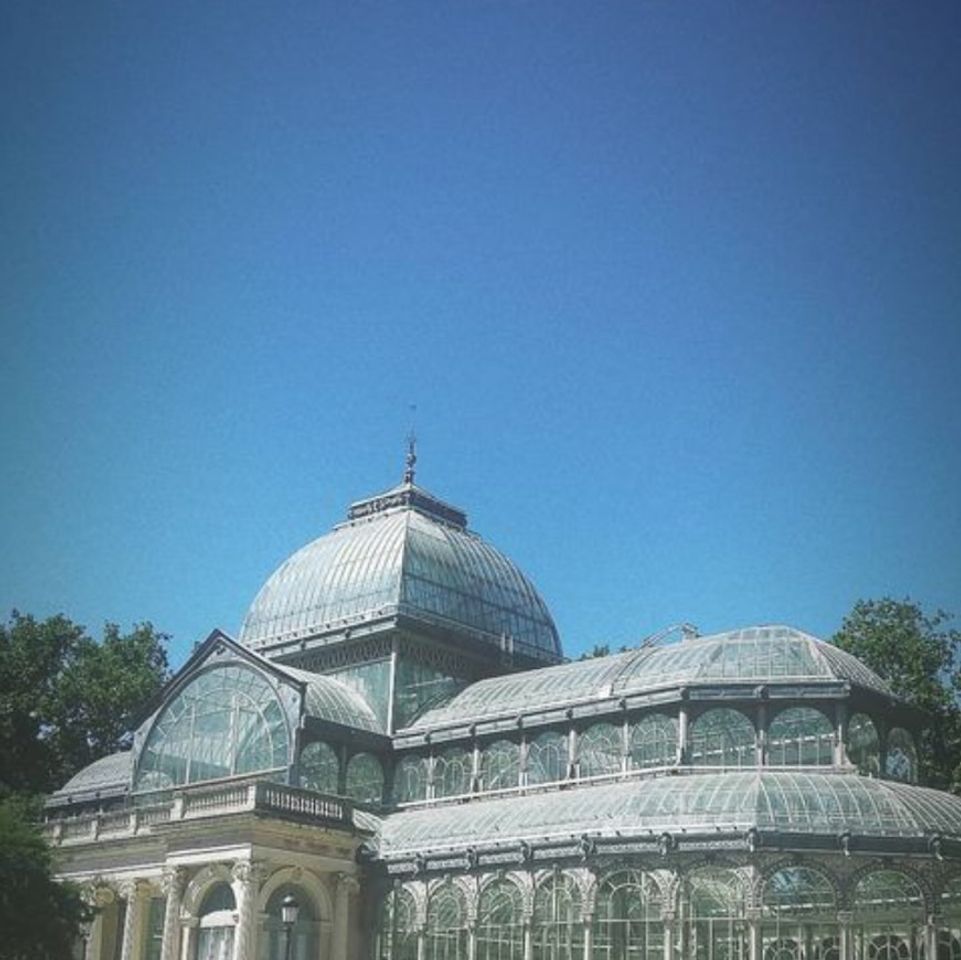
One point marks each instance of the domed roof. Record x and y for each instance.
(758, 655)
(407, 554)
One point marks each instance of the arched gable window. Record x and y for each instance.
(226, 721)
(714, 908)
(901, 762)
(500, 765)
(215, 938)
(547, 758)
(888, 917)
(410, 779)
(397, 939)
(864, 745)
(654, 741)
(452, 772)
(304, 934)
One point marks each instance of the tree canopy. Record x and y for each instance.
(66, 699)
(919, 654)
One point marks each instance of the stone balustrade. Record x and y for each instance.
(194, 803)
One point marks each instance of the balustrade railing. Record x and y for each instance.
(199, 802)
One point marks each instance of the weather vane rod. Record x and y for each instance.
(411, 449)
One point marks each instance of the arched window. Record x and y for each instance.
(226, 721)
(557, 932)
(303, 935)
(446, 934)
(410, 779)
(215, 938)
(600, 750)
(547, 758)
(627, 918)
(901, 761)
(500, 922)
(714, 909)
(864, 745)
(888, 917)
(800, 737)
(319, 768)
(452, 772)
(397, 935)
(949, 935)
(365, 778)
(500, 765)
(654, 741)
(799, 917)
(723, 737)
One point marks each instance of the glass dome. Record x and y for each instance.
(404, 553)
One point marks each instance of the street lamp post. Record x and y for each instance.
(289, 908)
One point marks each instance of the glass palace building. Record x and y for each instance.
(396, 740)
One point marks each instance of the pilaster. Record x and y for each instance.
(173, 885)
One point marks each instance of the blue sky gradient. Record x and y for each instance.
(674, 287)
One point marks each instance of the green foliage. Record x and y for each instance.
(920, 656)
(67, 700)
(39, 917)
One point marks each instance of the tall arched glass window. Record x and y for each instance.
(714, 910)
(226, 721)
(901, 760)
(723, 737)
(303, 935)
(799, 916)
(446, 934)
(500, 922)
(864, 745)
(627, 918)
(600, 750)
(557, 932)
(365, 778)
(800, 737)
(888, 917)
(215, 938)
(397, 933)
(410, 779)
(319, 768)
(547, 758)
(500, 765)
(452, 772)
(654, 741)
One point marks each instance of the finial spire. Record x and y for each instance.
(411, 449)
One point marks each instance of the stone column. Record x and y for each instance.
(135, 892)
(528, 939)
(588, 938)
(931, 934)
(247, 877)
(840, 733)
(761, 743)
(98, 898)
(173, 884)
(845, 938)
(346, 885)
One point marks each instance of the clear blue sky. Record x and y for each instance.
(675, 287)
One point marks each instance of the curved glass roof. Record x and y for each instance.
(329, 699)
(404, 552)
(788, 802)
(764, 654)
(111, 771)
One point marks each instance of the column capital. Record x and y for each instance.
(248, 871)
(347, 883)
(173, 881)
(134, 889)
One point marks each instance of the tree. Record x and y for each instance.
(39, 917)
(920, 657)
(66, 700)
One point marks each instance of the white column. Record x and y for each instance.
(135, 892)
(173, 884)
(667, 920)
(682, 735)
(840, 733)
(754, 933)
(346, 885)
(247, 876)
(188, 939)
(528, 939)
(931, 934)
(98, 898)
(844, 935)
